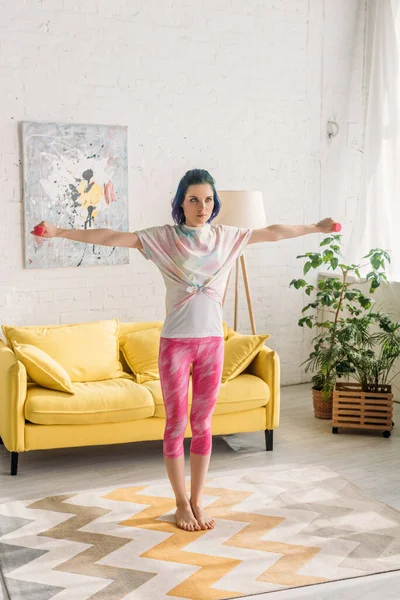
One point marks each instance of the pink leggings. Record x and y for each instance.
(174, 360)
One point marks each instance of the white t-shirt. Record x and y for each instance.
(195, 263)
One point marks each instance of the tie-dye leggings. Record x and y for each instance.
(175, 357)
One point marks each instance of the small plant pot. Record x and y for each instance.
(355, 409)
(322, 406)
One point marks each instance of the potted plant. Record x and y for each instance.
(367, 401)
(340, 312)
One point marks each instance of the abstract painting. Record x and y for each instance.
(75, 177)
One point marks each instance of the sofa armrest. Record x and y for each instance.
(13, 388)
(266, 365)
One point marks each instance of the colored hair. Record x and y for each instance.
(193, 177)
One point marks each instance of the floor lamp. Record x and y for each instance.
(241, 209)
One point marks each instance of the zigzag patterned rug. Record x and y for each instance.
(275, 529)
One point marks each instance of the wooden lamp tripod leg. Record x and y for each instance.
(236, 294)
(226, 288)
(247, 290)
(246, 287)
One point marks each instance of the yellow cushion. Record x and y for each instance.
(87, 351)
(228, 331)
(43, 369)
(109, 401)
(239, 352)
(230, 398)
(140, 350)
(125, 328)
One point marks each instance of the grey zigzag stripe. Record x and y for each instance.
(14, 557)
(100, 545)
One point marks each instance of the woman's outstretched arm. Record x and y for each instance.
(101, 237)
(274, 233)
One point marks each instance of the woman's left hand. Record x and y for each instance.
(326, 225)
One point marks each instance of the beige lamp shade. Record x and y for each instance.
(241, 208)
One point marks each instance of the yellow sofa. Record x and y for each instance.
(107, 405)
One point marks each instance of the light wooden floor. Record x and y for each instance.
(367, 460)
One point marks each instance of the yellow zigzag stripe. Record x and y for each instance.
(295, 556)
(198, 585)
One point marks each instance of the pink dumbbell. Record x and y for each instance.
(336, 227)
(38, 230)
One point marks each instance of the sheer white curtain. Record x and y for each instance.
(378, 220)
(377, 223)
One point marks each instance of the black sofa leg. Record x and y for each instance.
(14, 463)
(269, 439)
(1, 442)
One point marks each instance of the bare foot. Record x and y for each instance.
(203, 519)
(185, 518)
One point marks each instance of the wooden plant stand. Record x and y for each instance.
(355, 409)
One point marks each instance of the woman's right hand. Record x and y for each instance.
(50, 230)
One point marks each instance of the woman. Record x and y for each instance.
(194, 258)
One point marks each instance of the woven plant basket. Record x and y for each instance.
(322, 408)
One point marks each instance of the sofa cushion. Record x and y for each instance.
(42, 368)
(125, 328)
(109, 401)
(87, 351)
(245, 392)
(239, 351)
(140, 350)
(228, 331)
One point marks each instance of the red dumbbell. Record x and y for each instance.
(336, 227)
(38, 230)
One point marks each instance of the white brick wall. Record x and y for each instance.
(243, 89)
